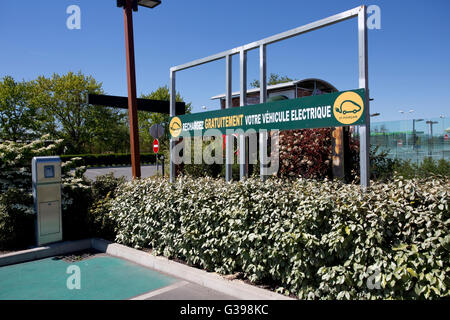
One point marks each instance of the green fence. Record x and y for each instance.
(413, 139)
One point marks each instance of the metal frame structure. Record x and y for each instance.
(364, 130)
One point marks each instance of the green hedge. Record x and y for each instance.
(84, 203)
(107, 159)
(316, 240)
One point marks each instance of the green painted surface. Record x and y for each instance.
(102, 278)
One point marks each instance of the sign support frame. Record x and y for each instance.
(262, 99)
(364, 130)
(243, 141)
(229, 140)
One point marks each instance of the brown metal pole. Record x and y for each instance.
(132, 100)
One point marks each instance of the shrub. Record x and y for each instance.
(107, 159)
(16, 200)
(16, 219)
(104, 189)
(428, 167)
(305, 153)
(317, 240)
(17, 213)
(381, 166)
(84, 206)
(203, 170)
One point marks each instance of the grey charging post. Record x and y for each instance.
(46, 176)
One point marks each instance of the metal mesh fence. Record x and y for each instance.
(413, 139)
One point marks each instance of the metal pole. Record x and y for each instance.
(262, 99)
(172, 114)
(132, 101)
(414, 137)
(157, 165)
(430, 144)
(431, 130)
(364, 130)
(275, 38)
(417, 149)
(414, 134)
(443, 133)
(406, 131)
(229, 142)
(243, 166)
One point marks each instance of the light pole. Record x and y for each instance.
(414, 132)
(415, 139)
(406, 129)
(128, 7)
(443, 135)
(431, 136)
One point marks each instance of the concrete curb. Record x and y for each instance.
(45, 252)
(235, 288)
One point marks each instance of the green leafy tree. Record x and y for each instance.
(147, 119)
(273, 79)
(19, 117)
(110, 136)
(84, 127)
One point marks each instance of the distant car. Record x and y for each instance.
(348, 106)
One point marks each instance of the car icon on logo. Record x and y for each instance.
(175, 126)
(348, 106)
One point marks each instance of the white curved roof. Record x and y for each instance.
(281, 86)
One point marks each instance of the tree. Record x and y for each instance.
(110, 131)
(273, 79)
(84, 127)
(19, 117)
(147, 119)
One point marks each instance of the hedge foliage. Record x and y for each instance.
(81, 199)
(17, 215)
(107, 159)
(306, 153)
(313, 239)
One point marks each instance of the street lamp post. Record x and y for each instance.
(430, 143)
(415, 139)
(406, 129)
(128, 7)
(443, 134)
(414, 132)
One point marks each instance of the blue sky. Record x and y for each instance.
(409, 60)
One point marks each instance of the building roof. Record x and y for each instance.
(305, 83)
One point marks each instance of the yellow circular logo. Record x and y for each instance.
(175, 127)
(348, 107)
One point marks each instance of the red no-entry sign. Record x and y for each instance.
(155, 146)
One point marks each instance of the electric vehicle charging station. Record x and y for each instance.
(46, 176)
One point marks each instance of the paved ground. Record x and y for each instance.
(146, 171)
(184, 290)
(100, 276)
